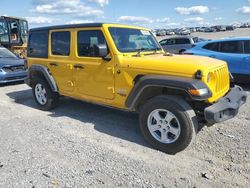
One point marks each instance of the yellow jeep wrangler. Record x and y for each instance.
(124, 67)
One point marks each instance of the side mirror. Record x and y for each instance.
(103, 52)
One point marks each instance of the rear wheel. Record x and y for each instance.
(43, 95)
(168, 123)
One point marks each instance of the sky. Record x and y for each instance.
(147, 13)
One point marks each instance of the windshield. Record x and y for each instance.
(196, 39)
(4, 37)
(133, 40)
(4, 53)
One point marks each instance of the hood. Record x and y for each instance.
(11, 62)
(185, 65)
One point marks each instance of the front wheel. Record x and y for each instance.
(168, 123)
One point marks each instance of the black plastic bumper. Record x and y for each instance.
(227, 107)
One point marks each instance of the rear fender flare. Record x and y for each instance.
(45, 72)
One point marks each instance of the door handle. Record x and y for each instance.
(78, 66)
(212, 56)
(53, 64)
(246, 58)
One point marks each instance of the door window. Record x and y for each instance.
(60, 43)
(88, 41)
(231, 47)
(247, 47)
(163, 42)
(171, 42)
(182, 41)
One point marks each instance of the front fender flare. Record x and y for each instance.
(172, 82)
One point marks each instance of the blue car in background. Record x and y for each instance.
(235, 51)
(11, 67)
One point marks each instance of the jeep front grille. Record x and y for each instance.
(222, 80)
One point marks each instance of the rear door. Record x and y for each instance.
(232, 53)
(246, 58)
(60, 60)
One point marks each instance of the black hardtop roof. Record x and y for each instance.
(66, 26)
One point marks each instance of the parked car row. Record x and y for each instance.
(188, 31)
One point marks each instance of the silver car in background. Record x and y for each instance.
(179, 44)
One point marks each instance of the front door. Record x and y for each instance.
(93, 75)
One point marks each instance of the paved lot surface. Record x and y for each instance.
(84, 145)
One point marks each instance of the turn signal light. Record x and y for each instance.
(198, 92)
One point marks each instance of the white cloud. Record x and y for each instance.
(218, 18)
(192, 10)
(195, 20)
(40, 20)
(166, 19)
(74, 7)
(244, 10)
(79, 21)
(134, 19)
(172, 24)
(102, 3)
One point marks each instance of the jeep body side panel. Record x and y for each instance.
(44, 71)
(170, 82)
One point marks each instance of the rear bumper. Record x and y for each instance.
(227, 107)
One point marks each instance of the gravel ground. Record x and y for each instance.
(84, 145)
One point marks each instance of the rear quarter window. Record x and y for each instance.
(38, 45)
(214, 46)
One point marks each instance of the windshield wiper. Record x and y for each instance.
(141, 50)
(146, 49)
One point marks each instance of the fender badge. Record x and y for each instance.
(122, 92)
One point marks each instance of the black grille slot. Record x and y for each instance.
(13, 68)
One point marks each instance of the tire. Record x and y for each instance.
(185, 121)
(182, 51)
(50, 98)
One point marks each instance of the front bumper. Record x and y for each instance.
(227, 107)
(13, 77)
